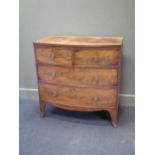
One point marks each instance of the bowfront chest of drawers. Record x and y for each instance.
(79, 73)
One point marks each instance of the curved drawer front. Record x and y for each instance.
(77, 96)
(98, 57)
(50, 55)
(78, 76)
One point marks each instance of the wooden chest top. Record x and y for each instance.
(81, 41)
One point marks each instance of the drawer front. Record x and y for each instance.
(49, 55)
(98, 57)
(77, 96)
(78, 76)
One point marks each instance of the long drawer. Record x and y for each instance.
(73, 96)
(78, 76)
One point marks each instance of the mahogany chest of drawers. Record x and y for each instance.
(79, 73)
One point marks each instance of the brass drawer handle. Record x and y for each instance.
(53, 75)
(55, 94)
(52, 56)
(95, 98)
(72, 77)
(96, 59)
(95, 78)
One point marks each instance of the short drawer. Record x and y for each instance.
(78, 96)
(78, 76)
(51, 55)
(98, 57)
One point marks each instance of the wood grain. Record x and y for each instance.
(94, 41)
(78, 76)
(48, 55)
(97, 56)
(77, 96)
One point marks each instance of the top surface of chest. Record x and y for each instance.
(80, 41)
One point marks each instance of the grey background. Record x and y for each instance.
(40, 18)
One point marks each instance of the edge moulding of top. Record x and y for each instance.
(81, 41)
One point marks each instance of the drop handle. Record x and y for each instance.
(52, 56)
(95, 98)
(53, 75)
(95, 78)
(96, 59)
(55, 94)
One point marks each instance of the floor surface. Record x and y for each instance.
(74, 133)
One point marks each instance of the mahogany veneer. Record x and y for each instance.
(79, 73)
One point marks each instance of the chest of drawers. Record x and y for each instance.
(79, 73)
